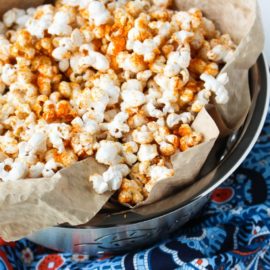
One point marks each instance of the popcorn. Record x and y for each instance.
(37, 143)
(36, 170)
(60, 25)
(142, 135)
(98, 13)
(121, 81)
(148, 48)
(83, 144)
(4, 48)
(132, 98)
(11, 16)
(157, 173)
(147, 152)
(130, 62)
(110, 179)
(8, 74)
(50, 168)
(109, 153)
(174, 119)
(12, 170)
(177, 61)
(95, 60)
(183, 37)
(217, 86)
(41, 21)
(131, 192)
(162, 3)
(128, 151)
(110, 87)
(189, 138)
(220, 53)
(8, 143)
(57, 134)
(117, 127)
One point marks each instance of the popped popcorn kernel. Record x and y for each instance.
(120, 81)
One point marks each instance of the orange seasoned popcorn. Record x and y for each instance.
(131, 192)
(121, 81)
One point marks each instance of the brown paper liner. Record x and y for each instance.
(68, 197)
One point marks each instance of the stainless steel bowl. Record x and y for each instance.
(122, 230)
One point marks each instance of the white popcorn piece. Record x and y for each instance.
(83, 143)
(109, 87)
(98, 13)
(110, 179)
(177, 61)
(99, 185)
(9, 74)
(130, 62)
(64, 65)
(221, 53)
(183, 37)
(57, 133)
(164, 28)
(201, 100)
(60, 25)
(147, 152)
(114, 175)
(37, 26)
(109, 153)
(152, 111)
(11, 16)
(50, 168)
(148, 48)
(60, 53)
(132, 98)
(132, 84)
(8, 144)
(89, 125)
(174, 119)
(36, 170)
(118, 126)
(96, 60)
(129, 150)
(37, 143)
(183, 19)
(144, 76)
(217, 86)
(77, 38)
(142, 135)
(162, 3)
(12, 170)
(158, 173)
(99, 101)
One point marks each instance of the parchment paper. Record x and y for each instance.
(187, 164)
(241, 19)
(29, 205)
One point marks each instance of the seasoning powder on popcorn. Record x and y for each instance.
(121, 81)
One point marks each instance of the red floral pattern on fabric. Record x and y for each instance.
(4, 243)
(221, 195)
(51, 262)
(4, 260)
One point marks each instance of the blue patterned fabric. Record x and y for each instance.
(232, 232)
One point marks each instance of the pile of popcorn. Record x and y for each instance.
(121, 81)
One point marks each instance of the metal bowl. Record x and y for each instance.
(122, 230)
